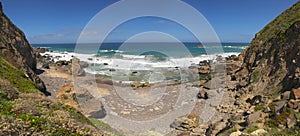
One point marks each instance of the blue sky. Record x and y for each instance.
(61, 21)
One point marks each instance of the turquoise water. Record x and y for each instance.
(111, 49)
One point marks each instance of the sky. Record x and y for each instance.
(62, 21)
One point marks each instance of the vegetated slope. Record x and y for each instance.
(24, 108)
(272, 60)
(15, 48)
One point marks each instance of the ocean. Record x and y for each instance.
(109, 49)
(131, 61)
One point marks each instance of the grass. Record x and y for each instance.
(258, 108)
(280, 24)
(104, 127)
(255, 76)
(205, 76)
(6, 106)
(250, 129)
(16, 78)
(42, 115)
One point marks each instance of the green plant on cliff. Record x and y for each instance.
(22, 106)
(17, 78)
(280, 24)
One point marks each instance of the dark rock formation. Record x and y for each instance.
(15, 48)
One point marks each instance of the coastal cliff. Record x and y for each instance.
(273, 60)
(24, 107)
(15, 49)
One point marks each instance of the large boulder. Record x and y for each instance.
(186, 123)
(76, 69)
(295, 93)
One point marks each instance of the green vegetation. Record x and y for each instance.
(205, 76)
(104, 127)
(255, 76)
(228, 132)
(17, 78)
(258, 107)
(280, 24)
(250, 129)
(22, 106)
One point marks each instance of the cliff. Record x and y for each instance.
(273, 59)
(15, 48)
(24, 109)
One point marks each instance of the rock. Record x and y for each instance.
(253, 118)
(259, 132)
(46, 65)
(136, 85)
(295, 94)
(187, 123)
(15, 49)
(125, 112)
(204, 63)
(156, 108)
(237, 133)
(255, 100)
(279, 106)
(291, 121)
(41, 50)
(202, 94)
(217, 127)
(62, 62)
(204, 70)
(293, 104)
(286, 95)
(76, 69)
(242, 83)
(83, 64)
(219, 58)
(66, 95)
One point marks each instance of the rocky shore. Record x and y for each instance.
(256, 93)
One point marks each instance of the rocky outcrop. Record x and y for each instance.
(15, 48)
(272, 61)
(187, 123)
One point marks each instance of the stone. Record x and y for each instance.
(237, 133)
(136, 85)
(242, 83)
(204, 70)
(293, 104)
(66, 95)
(255, 100)
(286, 95)
(125, 112)
(156, 108)
(295, 94)
(186, 123)
(76, 69)
(291, 121)
(202, 94)
(279, 106)
(259, 132)
(204, 63)
(62, 62)
(216, 127)
(46, 65)
(253, 118)
(83, 64)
